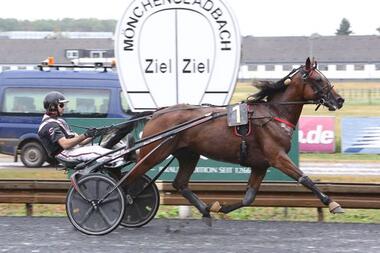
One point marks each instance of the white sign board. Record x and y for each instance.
(177, 51)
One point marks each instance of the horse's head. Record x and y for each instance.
(317, 87)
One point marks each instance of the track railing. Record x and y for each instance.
(271, 194)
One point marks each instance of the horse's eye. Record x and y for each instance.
(318, 79)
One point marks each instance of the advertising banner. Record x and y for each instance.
(316, 134)
(361, 135)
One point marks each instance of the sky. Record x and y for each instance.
(255, 17)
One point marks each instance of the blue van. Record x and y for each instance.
(92, 94)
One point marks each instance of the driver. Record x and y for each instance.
(58, 139)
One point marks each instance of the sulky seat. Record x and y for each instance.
(68, 163)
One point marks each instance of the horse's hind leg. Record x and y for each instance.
(257, 176)
(187, 162)
(286, 165)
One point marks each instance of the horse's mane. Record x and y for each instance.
(267, 89)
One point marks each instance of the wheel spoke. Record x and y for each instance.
(138, 211)
(79, 198)
(84, 190)
(97, 183)
(110, 199)
(138, 192)
(86, 216)
(143, 196)
(104, 216)
(110, 190)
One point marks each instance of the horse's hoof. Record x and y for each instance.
(335, 208)
(207, 220)
(215, 207)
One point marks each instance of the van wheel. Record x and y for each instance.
(33, 155)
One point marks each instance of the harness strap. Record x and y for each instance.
(243, 134)
(285, 122)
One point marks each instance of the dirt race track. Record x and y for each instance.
(23, 234)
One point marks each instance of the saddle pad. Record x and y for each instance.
(237, 114)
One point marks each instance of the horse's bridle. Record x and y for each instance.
(322, 93)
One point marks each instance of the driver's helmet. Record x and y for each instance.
(53, 99)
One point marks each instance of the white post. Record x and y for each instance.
(184, 212)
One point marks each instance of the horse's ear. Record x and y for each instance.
(313, 63)
(308, 64)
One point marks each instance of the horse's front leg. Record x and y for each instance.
(257, 176)
(285, 164)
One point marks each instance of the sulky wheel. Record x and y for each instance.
(92, 215)
(141, 205)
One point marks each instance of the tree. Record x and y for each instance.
(344, 28)
(64, 25)
(378, 29)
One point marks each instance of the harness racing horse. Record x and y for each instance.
(276, 110)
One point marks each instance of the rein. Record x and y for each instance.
(305, 102)
(115, 126)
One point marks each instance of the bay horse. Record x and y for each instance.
(276, 111)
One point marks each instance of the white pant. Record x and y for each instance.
(86, 153)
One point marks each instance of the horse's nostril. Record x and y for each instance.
(340, 102)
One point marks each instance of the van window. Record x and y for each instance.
(22, 100)
(30, 100)
(5, 68)
(124, 103)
